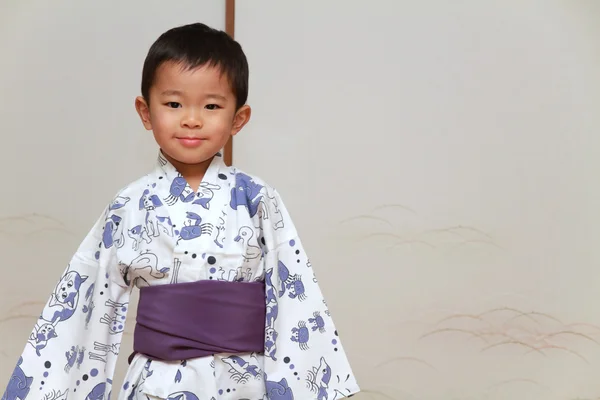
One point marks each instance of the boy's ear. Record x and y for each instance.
(143, 110)
(241, 118)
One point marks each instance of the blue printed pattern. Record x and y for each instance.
(158, 230)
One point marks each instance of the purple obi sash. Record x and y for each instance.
(196, 319)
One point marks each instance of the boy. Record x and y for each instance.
(229, 305)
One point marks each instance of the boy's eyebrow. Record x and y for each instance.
(171, 92)
(175, 92)
(216, 96)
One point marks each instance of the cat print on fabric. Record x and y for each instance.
(62, 305)
(19, 384)
(64, 299)
(41, 335)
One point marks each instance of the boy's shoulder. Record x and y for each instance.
(243, 179)
(127, 195)
(265, 203)
(136, 186)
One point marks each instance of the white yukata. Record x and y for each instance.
(157, 231)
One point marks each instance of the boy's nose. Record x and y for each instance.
(191, 121)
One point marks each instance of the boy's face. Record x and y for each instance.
(192, 113)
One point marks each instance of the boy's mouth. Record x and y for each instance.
(190, 141)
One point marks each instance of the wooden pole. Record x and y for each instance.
(230, 29)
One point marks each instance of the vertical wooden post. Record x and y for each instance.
(230, 29)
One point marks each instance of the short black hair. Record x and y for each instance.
(195, 45)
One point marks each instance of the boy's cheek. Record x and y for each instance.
(164, 121)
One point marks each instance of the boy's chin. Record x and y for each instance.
(191, 159)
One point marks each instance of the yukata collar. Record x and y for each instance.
(210, 176)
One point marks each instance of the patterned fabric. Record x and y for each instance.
(158, 231)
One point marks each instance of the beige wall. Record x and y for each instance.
(440, 160)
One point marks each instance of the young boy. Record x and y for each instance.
(229, 305)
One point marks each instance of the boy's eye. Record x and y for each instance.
(212, 107)
(173, 104)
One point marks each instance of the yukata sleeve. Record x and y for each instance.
(304, 358)
(73, 347)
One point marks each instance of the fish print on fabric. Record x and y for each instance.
(158, 231)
